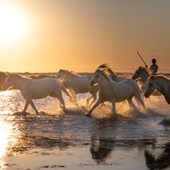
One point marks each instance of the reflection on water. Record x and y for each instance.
(5, 133)
(101, 148)
(8, 129)
(4, 138)
(101, 138)
(160, 161)
(7, 140)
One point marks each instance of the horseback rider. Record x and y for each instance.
(154, 67)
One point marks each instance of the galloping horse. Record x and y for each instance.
(161, 83)
(142, 73)
(77, 84)
(114, 91)
(36, 89)
(80, 83)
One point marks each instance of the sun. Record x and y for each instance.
(13, 24)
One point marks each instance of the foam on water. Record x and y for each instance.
(12, 101)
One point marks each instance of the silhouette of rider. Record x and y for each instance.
(154, 67)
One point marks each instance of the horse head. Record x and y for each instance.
(60, 74)
(142, 72)
(65, 74)
(97, 76)
(150, 86)
(9, 82)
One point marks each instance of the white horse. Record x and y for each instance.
(114, 91)
(77, 84)
(142, 73)
(80, 83)
(159, 82)
(36, 89)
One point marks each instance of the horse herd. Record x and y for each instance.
(103, 85)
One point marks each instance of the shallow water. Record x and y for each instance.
(69, 140)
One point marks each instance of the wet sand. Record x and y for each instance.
(75, 158)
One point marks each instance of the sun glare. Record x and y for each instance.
(13, 24)
(4, 139)
(5, 93)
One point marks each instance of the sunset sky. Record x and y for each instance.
(79, 35)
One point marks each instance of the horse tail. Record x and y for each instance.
(67, 93)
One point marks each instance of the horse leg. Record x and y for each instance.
(140, 100)
(26, 105)
(94, 96)
(62, 103)
(131, 103)
(95, 105)
(88, 100)
(73, 93)
(94, 99)
(33, 106)
(113, 106)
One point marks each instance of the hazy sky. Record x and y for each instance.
(79, 35)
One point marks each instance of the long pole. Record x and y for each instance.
(142, 59)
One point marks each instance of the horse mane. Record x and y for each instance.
(69, 73)
(146, 69)
(107, 72)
